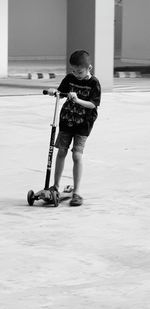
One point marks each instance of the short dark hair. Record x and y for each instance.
(80, 58)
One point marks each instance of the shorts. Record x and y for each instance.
(64, 140)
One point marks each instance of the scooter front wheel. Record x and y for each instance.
(30, 198)
(55, 198)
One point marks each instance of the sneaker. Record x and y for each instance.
(76, 200)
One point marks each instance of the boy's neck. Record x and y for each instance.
(88, 75)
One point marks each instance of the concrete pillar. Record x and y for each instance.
(90, 26)
(3, 38)
(104, 42)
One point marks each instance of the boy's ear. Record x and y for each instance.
(90, 67)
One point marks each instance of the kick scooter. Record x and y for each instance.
(49, 195)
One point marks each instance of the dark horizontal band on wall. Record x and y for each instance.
(37, 58)
(132, 71)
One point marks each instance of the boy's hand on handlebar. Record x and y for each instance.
(52, 91)
(73, 96)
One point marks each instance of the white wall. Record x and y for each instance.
(37, 28)
(136, 30)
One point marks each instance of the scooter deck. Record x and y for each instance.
(65, 195)
(49, 197)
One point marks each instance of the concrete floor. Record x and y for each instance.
(94, 256)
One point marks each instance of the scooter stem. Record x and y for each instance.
(56, 109)
(52, 142)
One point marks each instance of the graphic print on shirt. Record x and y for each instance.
(73, 113)
(81, 91)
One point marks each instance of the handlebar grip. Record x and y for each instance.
(53, 93)
(45, 92)
(50, 92)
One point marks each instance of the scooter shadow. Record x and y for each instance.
(44, 204)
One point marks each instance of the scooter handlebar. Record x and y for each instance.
(52, 92)
(45, 92)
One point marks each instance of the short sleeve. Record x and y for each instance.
(95, 93)
(64, 85)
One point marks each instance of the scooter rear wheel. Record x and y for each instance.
(30, 198)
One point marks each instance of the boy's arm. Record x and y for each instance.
(73, 96)
(62, 88)
(87, 104)
(94, 96)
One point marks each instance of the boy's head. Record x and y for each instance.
(81, 64)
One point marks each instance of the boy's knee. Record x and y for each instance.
(77, 156)
(62, 152)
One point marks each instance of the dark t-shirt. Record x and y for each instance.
(75, 118)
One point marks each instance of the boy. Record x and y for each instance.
(77, 117)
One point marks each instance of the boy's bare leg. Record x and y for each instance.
(77, 170)
(59, 166)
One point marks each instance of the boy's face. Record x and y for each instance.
(80, 72)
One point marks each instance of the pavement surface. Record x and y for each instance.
(94, 256)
